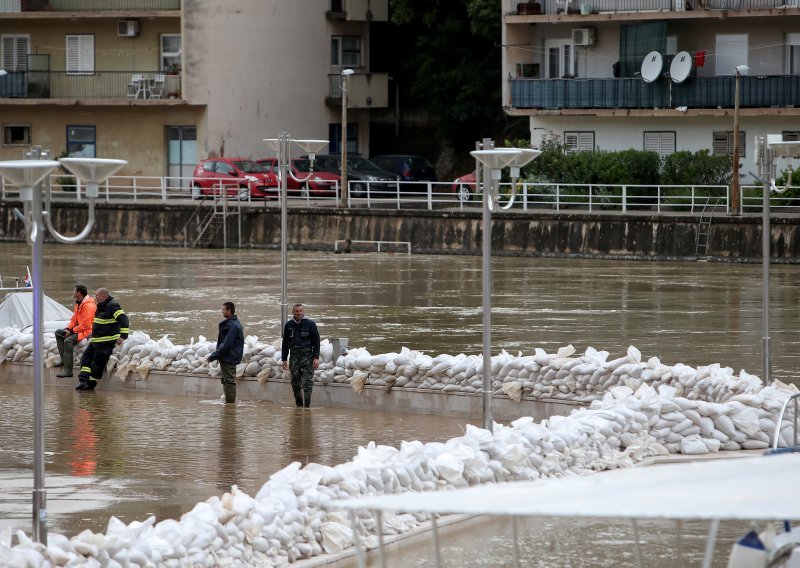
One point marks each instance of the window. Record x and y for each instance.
(791, 135)
(80, 54)
(792, 54)
(662, 143)
(723, 143)
(346, 51)
(15, 49)
(731, 50)
(16, 134)
(561, 56)
(579, 141)
(335, 137)
(81, 142)
(170, 52)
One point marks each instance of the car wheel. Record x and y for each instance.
(197, 193)
(464, 193)
(358, 190)
(305, 192)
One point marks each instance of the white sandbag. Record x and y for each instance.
(335, 537)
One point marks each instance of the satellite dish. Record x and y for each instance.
(651, 66)
(680, 67)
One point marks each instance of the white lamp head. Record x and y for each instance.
(26, 173)
(92, 171)
(311, 147)
(525, 156)
(741, 69)
(496, 159)
(273, 143)
(347, 72)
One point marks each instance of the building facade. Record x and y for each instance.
(588, 73)
(166, 83)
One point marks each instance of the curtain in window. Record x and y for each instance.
(636, 41)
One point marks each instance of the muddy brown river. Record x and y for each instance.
(132, 455)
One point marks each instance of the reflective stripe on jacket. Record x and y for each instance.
(83, 317)
(110, 322)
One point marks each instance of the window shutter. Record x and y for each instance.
(80, 54)
(586, 141)
(662, 143)
(8, 53)
(23, 43)
(15, 50)
(723, 146)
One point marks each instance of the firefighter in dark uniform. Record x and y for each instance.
(110, 328)
(301, 340)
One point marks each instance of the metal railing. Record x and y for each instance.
(551, 7)
(376, 245)
(97, 85)
(429, 196)
(87, 5)
(763, 91)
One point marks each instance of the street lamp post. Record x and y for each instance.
(489, 162)
(283, 146)
(345, 194)
(36, 218)
(770, 147)
(736, 189)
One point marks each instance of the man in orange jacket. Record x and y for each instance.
(78, 328)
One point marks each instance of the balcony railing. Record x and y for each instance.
(633, 93)
(552, 7)
(131, 85)
(87, 5)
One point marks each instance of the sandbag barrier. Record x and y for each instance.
(293, 516)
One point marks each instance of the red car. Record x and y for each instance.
(320, 184)
(464, 187)
(239, 176)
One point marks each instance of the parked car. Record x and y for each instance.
(464, 187)
(320, 184)
(239, 176)
(408, 167)
(360, 171)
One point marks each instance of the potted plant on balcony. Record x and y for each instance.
(173, 69)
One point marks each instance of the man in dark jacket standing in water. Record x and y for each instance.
(301, 338)
(230, 349)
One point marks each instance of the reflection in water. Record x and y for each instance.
(301, 443)
(230, 451)
(83, 451)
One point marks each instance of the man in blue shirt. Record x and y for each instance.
(230, 349)
(301, 340)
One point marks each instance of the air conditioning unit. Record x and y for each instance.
(127, 28)
(583, 36)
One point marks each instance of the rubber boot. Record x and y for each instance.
(66, 363)
(83, 385)
(230, 393)
(307, 401)
(298, 397)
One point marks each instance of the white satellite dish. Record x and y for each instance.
(651, 66)
(680, 67)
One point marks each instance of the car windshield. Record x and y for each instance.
(361, 164)
(250, 167)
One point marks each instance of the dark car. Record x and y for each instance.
(408, 167)
(238, 176)
(360, 173)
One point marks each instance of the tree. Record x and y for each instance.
(455, 66)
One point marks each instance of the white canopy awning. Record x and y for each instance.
(758, 488)
(17, 311)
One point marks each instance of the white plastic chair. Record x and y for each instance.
(157, 88)
(134, 86)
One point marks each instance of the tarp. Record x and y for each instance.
(759, 489)
(17, 311)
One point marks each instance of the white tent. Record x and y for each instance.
(17, 311)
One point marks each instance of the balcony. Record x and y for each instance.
(88, 5)
(366, 90)
(127, 85)
(359, 10)
(778, 91)
(586, 8)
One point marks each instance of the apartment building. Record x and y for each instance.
(654, 74)
(165, 83)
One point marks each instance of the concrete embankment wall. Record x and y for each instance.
(419, 401)
(602, 235)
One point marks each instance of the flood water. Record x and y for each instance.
(132, 455)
